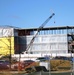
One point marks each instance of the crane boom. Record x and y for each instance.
(40, 27)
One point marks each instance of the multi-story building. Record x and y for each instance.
(49, 40)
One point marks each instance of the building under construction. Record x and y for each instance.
(48, 40)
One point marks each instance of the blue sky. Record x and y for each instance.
(32, 13)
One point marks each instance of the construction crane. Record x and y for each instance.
(40, 27)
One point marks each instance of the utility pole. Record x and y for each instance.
(10, 52)
(9, 39)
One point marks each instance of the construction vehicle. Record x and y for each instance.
(40, 27)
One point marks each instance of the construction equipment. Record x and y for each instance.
(40, 27)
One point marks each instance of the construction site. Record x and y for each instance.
(29, 44)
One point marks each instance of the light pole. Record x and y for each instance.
(19, 64)
(10, 51)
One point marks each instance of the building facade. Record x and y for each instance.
(49, 40)
(6, 40)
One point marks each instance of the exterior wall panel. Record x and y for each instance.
(5, 45)
(54, 43)
(6, 32)
(20, 44)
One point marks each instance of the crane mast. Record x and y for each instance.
(40, 27)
